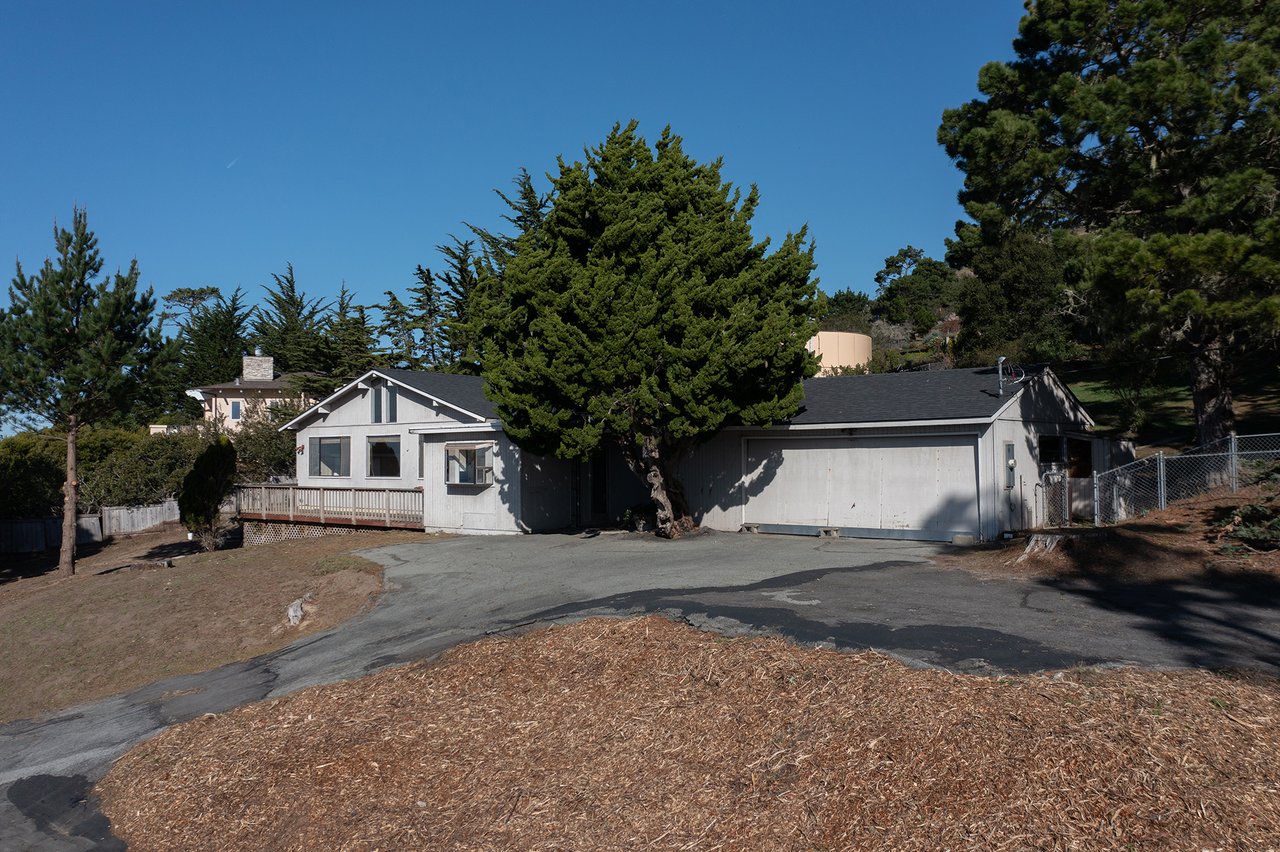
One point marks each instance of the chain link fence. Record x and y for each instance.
(1056, 491)
(1226, 465)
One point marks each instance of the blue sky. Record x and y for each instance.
(215, 142)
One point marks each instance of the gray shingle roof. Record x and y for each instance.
(880, 398)
(466, 392)
(886, 397)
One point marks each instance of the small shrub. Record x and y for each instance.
(200, 501)
(1254, 525)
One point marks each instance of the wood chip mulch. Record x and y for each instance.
(644, 733)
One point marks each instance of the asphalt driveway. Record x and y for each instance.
(852, 594)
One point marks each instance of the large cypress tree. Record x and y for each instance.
(459, 278)
(214, 337)
(641, 311)
(290, 326)
(352, 341)
(74, 348)
(1153, 126)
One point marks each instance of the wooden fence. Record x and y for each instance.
(40, 534)
(355, 507)
(120, 520)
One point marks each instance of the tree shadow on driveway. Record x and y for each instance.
(1214, 618)
(964, 648)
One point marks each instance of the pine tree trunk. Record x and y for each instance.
(1211, 392)
(70, 489)
(648, 461)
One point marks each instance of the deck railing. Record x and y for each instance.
(353, 507)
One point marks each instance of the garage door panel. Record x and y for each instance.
(788, 479)
(926, 483)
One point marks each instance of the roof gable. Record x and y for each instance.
(464, 394)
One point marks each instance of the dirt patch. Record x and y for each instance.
(111, 628)
(1183, 542)
(643, 732)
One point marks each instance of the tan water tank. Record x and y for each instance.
(840, 349)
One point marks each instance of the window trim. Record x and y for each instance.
(368, 452)
(344, 457)
(484, 472)
(383, 404)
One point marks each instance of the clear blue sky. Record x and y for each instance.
(215, 142)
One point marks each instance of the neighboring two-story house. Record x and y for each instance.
(256, 389)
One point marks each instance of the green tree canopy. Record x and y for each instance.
(351, 340)
(290, 326)
(211, 478)
(1021, 297)
(1154, 126)
(847, 310)
(915, 290)
(641, 311)
(214, 338)
(74, 348)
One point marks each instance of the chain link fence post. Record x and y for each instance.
(1096, 507)
(1066, 498)
(1162, 497)
(1233, 448)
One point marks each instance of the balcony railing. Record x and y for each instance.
(351, 507)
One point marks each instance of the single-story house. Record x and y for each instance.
(943, 455)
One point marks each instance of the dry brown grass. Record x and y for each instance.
(647, 734)
(69, 640)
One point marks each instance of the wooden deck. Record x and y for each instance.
(397, 508)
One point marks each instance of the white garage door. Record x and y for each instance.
(918, 487)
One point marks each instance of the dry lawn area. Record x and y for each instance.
(111, 628)
(644, 733)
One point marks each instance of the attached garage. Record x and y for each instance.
(922, 487)
(933, 456)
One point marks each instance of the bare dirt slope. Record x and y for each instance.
(113, 628)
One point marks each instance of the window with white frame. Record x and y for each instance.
(384, 456)
(330, 457)
(468, 464)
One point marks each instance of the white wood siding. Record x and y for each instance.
(481, 509)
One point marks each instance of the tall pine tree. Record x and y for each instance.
(290, 326)
(352, 340)
(214, 338)
(1154, 127)
(459, 279)
(74, 348)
